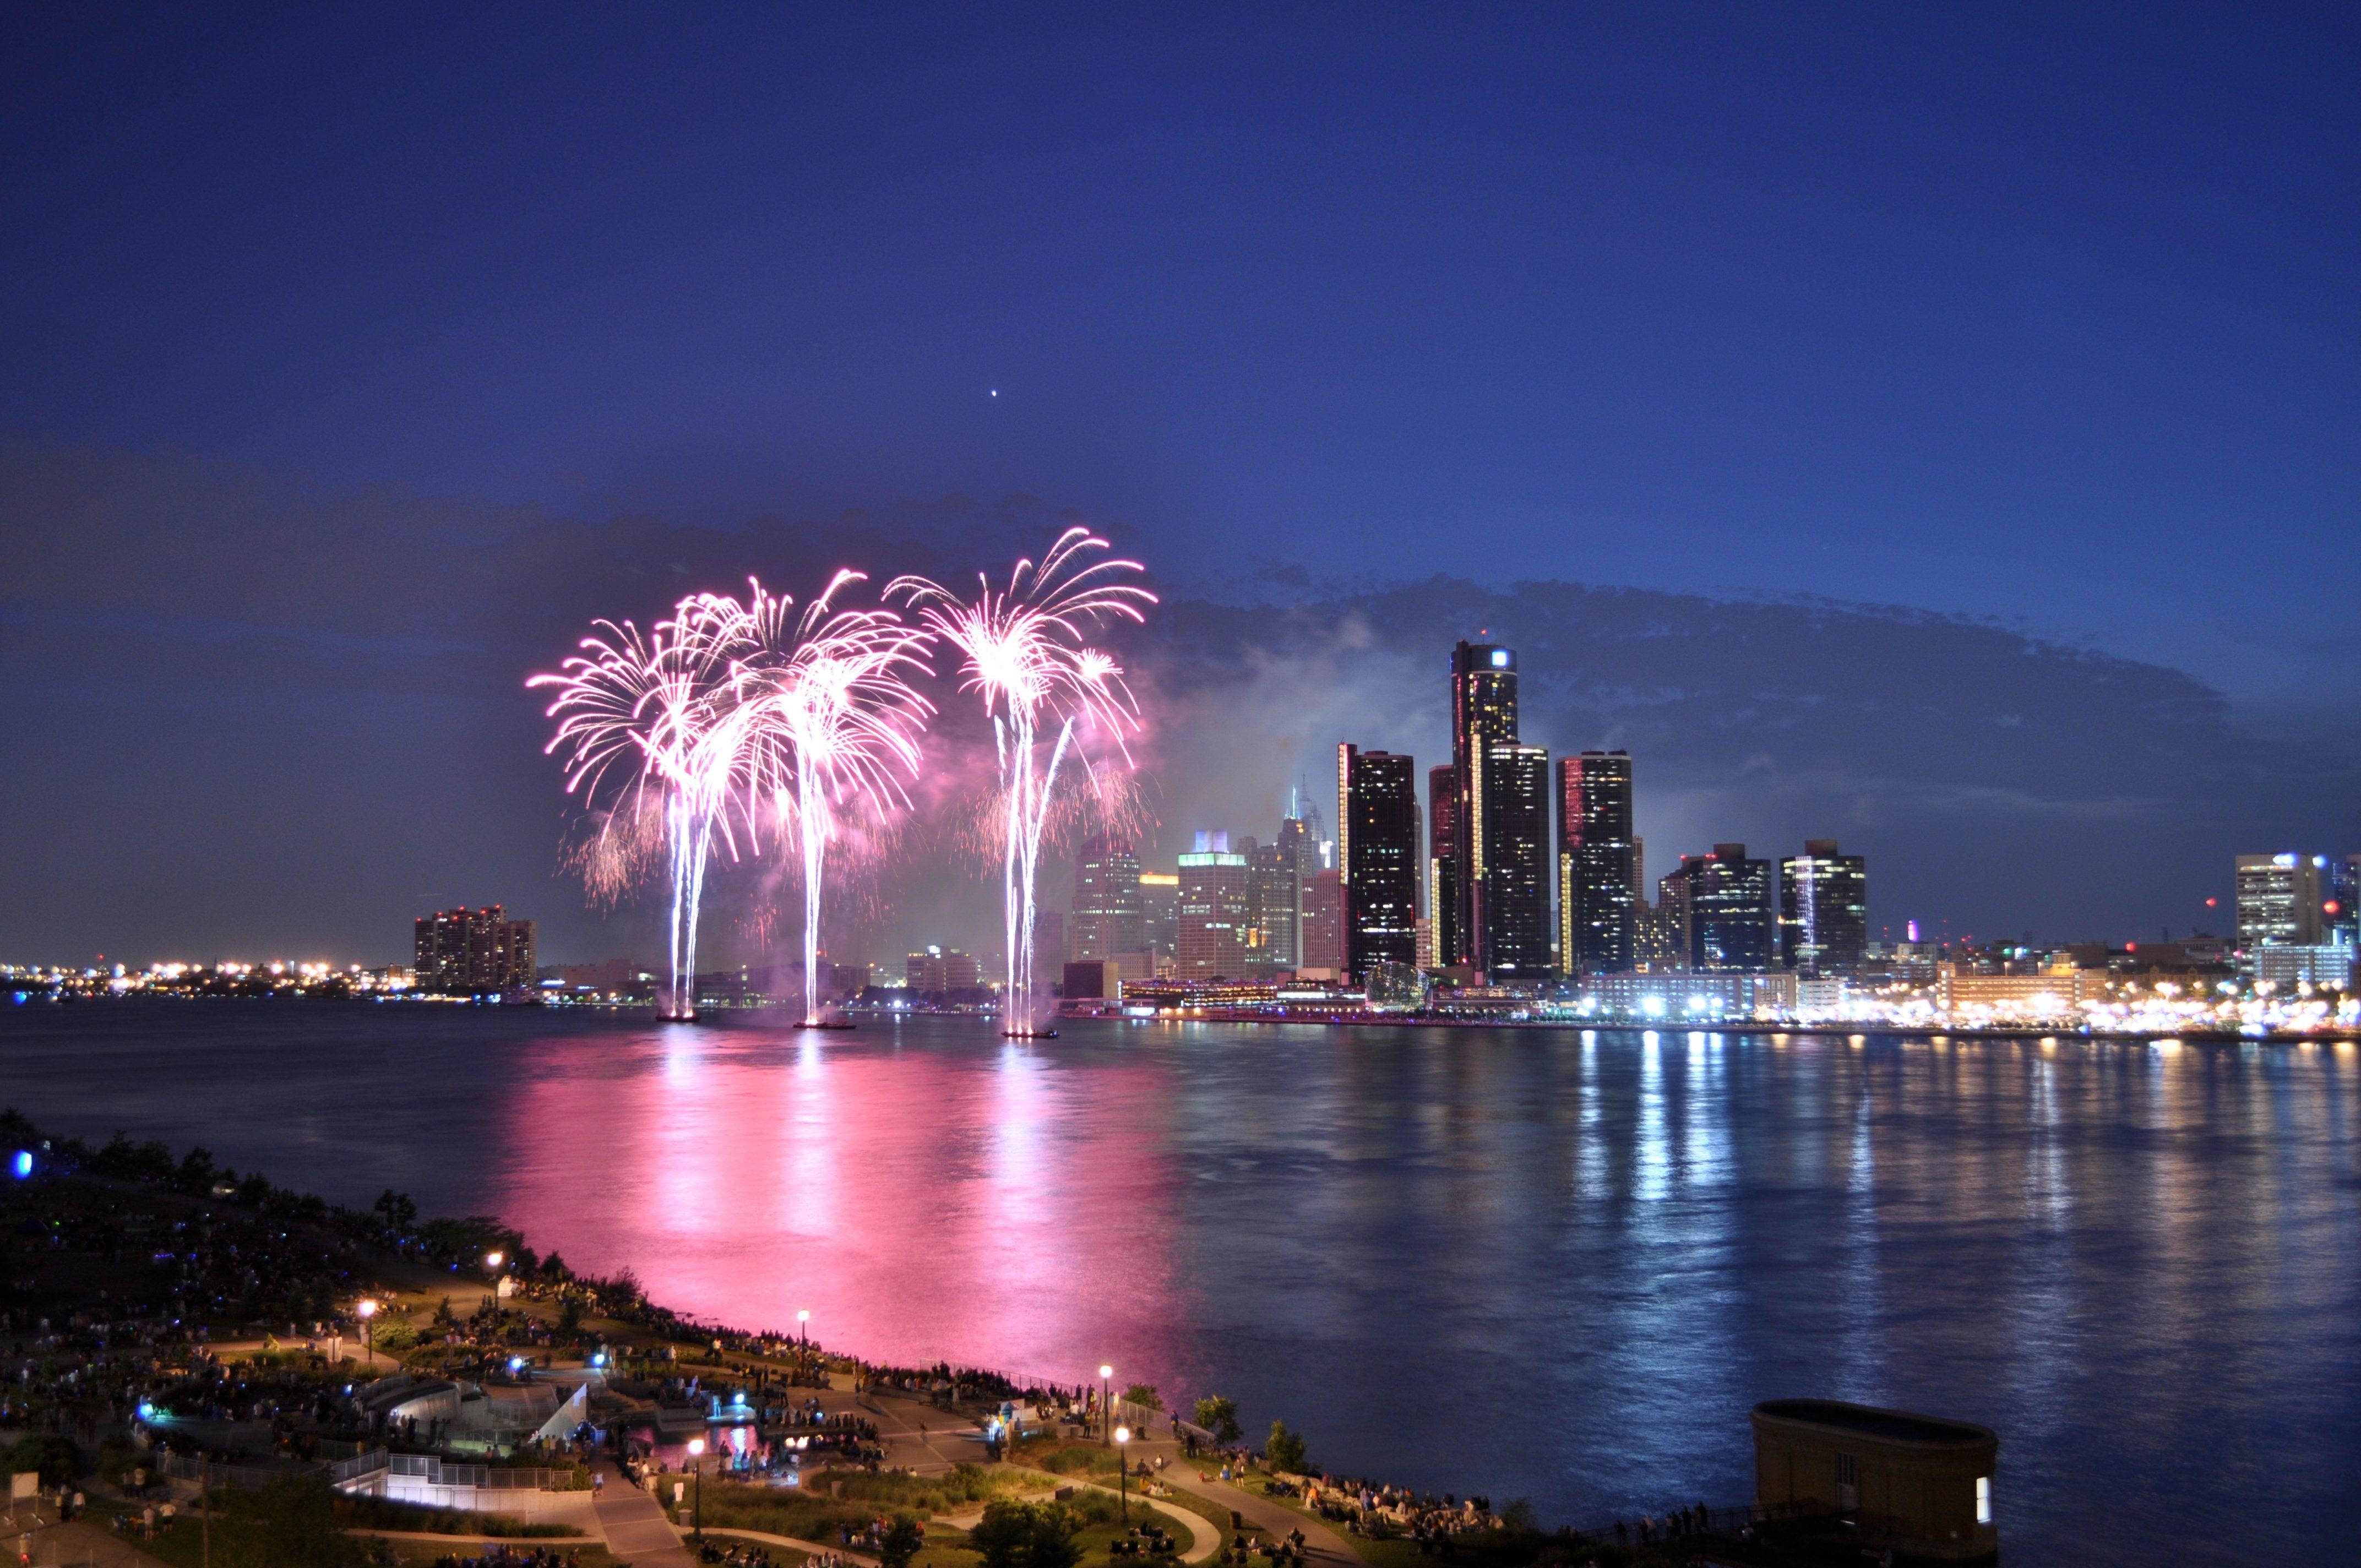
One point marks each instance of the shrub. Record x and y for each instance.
(1220, 1417)
(1285, 1450)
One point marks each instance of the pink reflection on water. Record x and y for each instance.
(936, 1201)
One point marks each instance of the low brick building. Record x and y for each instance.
(1921, 1486)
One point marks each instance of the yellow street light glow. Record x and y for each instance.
(367, 1309)
(695, 1447)
(1123, 1434)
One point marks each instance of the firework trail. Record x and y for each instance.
(655, 719)
(1024, 650)
(834, 713)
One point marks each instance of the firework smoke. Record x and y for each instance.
(1024, 651)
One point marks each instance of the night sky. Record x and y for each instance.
(1969, 398)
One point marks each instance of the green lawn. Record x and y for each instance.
(813, 1513)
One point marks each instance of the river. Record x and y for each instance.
(1553, 1264)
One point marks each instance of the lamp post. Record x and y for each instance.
(803, 1326)
(695, 1449)
(367, 1310)
(1122, 1472)
(1106, 1398)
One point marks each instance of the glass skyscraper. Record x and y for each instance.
(1731, 926)
(1110, 916)
(1516, 876)
(1598, 863)
(1376, 853)
(1499, 853)
(1442, 862)
(1823, 909)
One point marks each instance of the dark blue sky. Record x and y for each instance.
(1989, 309)
(2040, 314)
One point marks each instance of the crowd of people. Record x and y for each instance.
(505, 1556)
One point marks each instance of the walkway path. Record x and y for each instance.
(635, 1524)
(79, 1544)
(1320, 1543)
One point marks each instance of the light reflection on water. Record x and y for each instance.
(1559, 1265)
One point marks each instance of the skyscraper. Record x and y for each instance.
(1516, 859)
(1598, 863)
(1732, 926)
(1159, 904)
(1823, 909)
(1441, 866)
(1324, 920)
(1277, 894)
(1109, 915)
(1212, 937)
(2279, 900)
(1376, 849)
(1483, 716)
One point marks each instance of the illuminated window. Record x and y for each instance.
(1983, 1499)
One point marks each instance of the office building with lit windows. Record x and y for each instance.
(1483, 716)
(1517, 863)
(1597, 864)
(1212, 908)
(472, 952)
(2281, 899)
(1823, 909)
(1733, 925)
(1376, 853)
(1275, 900)
(1443, 865)
(1109, 916)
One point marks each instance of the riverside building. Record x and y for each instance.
(1731, 927)
(1823, 909)
(1598, 863)
(1110, 917)
(2279, 900)
(1213, 892)
(471, 952)
(1483, 716)
(1376, 853)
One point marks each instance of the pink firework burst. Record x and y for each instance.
(1025, 649)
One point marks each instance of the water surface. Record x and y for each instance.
(1558, 1266)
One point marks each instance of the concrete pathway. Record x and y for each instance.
(1320, 1543)
(635, 1526)
(813, 1547)
(75, 1545)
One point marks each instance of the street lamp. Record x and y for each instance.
(1106, 1396)
(367, 1310)
(1122, 1472)
(803, 1326)
(696, 1447)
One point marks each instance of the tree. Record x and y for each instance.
(1026, 1535)
(197, 1171)
(1220, 1417)
(1285, 1450)
(1143, 1396)
(900, 1543)
(395, 1209)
